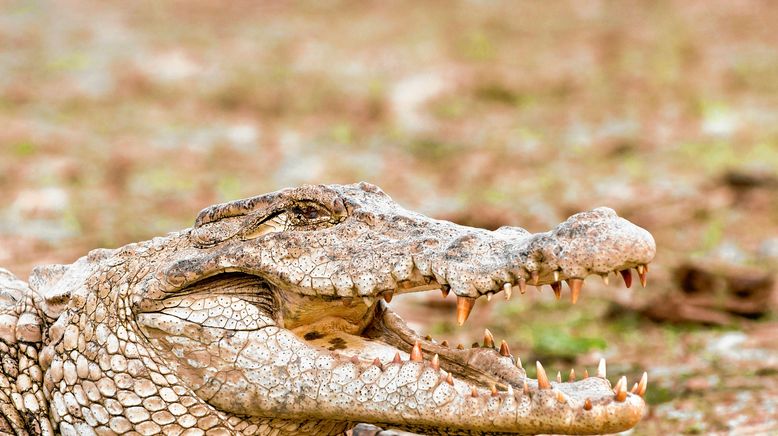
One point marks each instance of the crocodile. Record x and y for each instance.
(271, 316)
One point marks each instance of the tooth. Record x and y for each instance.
(416, 355)
(526, 387)
(643, 384)
(605, 279)
(511, 394)
(368, 301)
(504, 349)
(543, 382)
(621, 389)
(444, 290)
(571, 377)
(488, 296)
(473, 392)
(586, 373)
(562, 398)
(488, 339)
(444, 344)
(507, 288)
(557, 287)
(494, 390)
(522, 285)
(388, 296)
(464, 306)
(634, 389)
(397, 358)
(601, 369)
(435, 362)
(535, 277)
(556, 276)
(377, 362)
(588, 404)
(627, 274)
(646, 267)
(575, 288)
(558, 377)
(643, 275)
(460, 347)
(449, 379)
(518, 362)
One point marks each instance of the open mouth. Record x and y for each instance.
(366, 331)
(490, 366)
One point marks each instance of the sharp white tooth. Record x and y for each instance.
(507, 288)
(489, 296)
(605, 279)
(556, 276)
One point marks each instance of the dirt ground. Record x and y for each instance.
(119, 121)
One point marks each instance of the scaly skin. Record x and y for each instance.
(267, 318)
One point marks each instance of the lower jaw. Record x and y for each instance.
(484, 365)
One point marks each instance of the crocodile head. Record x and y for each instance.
(273, 311)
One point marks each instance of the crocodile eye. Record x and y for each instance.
(308, 214)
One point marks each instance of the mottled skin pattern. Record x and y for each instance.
(266, 318)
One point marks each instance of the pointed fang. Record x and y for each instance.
(575, 288)
(522, 286)
(571, 377)
(397, 358)
(435, 362)
(606, 279)
(444, 291)
(557, 287)
(416, 355)
(588, 404)
(643, 384)
(643, 275)
(388, 296)
(556, 276)
(505, 351)
(488, 339)
(489, 296)
(535, 277)
(621, 389)
(464, 306)
(602, 369)
(627, 274)
(508, 289)
(543, 382)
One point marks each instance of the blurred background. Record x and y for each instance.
(119, 121)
